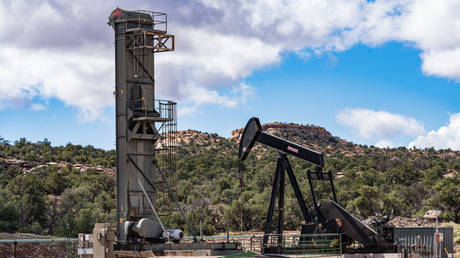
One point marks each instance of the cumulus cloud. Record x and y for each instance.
(217, 63)
(445, 137)
(64, 49)
(53, 50)
(433, 28)
(78, 78)
(379, 124)
(199, 96)
(334, 25)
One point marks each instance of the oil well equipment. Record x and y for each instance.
(146, 129)
(323, 218)
(145, 126)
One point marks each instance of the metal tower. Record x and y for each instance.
(145, 126)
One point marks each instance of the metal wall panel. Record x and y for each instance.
(424, 236)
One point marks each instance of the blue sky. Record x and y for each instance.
(359, 81)
(314, 91)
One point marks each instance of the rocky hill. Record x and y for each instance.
(214, 187)
(291, 130)
(192, 136)
(28, 166)
(310, 136)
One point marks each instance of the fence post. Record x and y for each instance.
(201, 231)
(15, 243)
(228, 232)
(67, 242)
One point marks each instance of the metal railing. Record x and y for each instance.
(157, 20)
(315, 245)
(163, 114)
(164, 110)
(147, 30)
(319, 245)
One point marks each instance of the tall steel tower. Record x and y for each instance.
(145, 126)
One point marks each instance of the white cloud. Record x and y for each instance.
(431, 26)
(69, 62)
(434, 28)
(63, 49)
(445, 137)
(211, 60)
(244, 91)
(380, 124)
(201, 96)
(78, 78)
(442, 63)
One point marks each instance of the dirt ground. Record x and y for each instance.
(33, 250)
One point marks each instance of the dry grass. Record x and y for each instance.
(22, 236)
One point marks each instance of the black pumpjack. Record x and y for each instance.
(324, 218)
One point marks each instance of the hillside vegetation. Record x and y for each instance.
(45, 188)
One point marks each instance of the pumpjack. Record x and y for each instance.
(323, 218)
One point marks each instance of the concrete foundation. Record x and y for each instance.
(182, 249)
(371, 255)
(103, 239)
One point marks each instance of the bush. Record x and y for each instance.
(34, 228)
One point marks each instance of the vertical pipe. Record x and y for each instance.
(120, 132)
(15, 244)
(201, 231)
(228, 232)
(331, 180)
(313, 195)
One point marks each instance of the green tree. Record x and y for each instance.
(9, 212)
(32, 198)
(56, 182)
(449, 196)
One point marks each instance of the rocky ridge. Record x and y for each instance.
(28, 166)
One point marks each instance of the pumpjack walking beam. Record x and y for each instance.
(253, 133)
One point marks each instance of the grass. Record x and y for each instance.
(245, 254)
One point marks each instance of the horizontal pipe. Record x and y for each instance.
(39, 240)
(51, 240)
